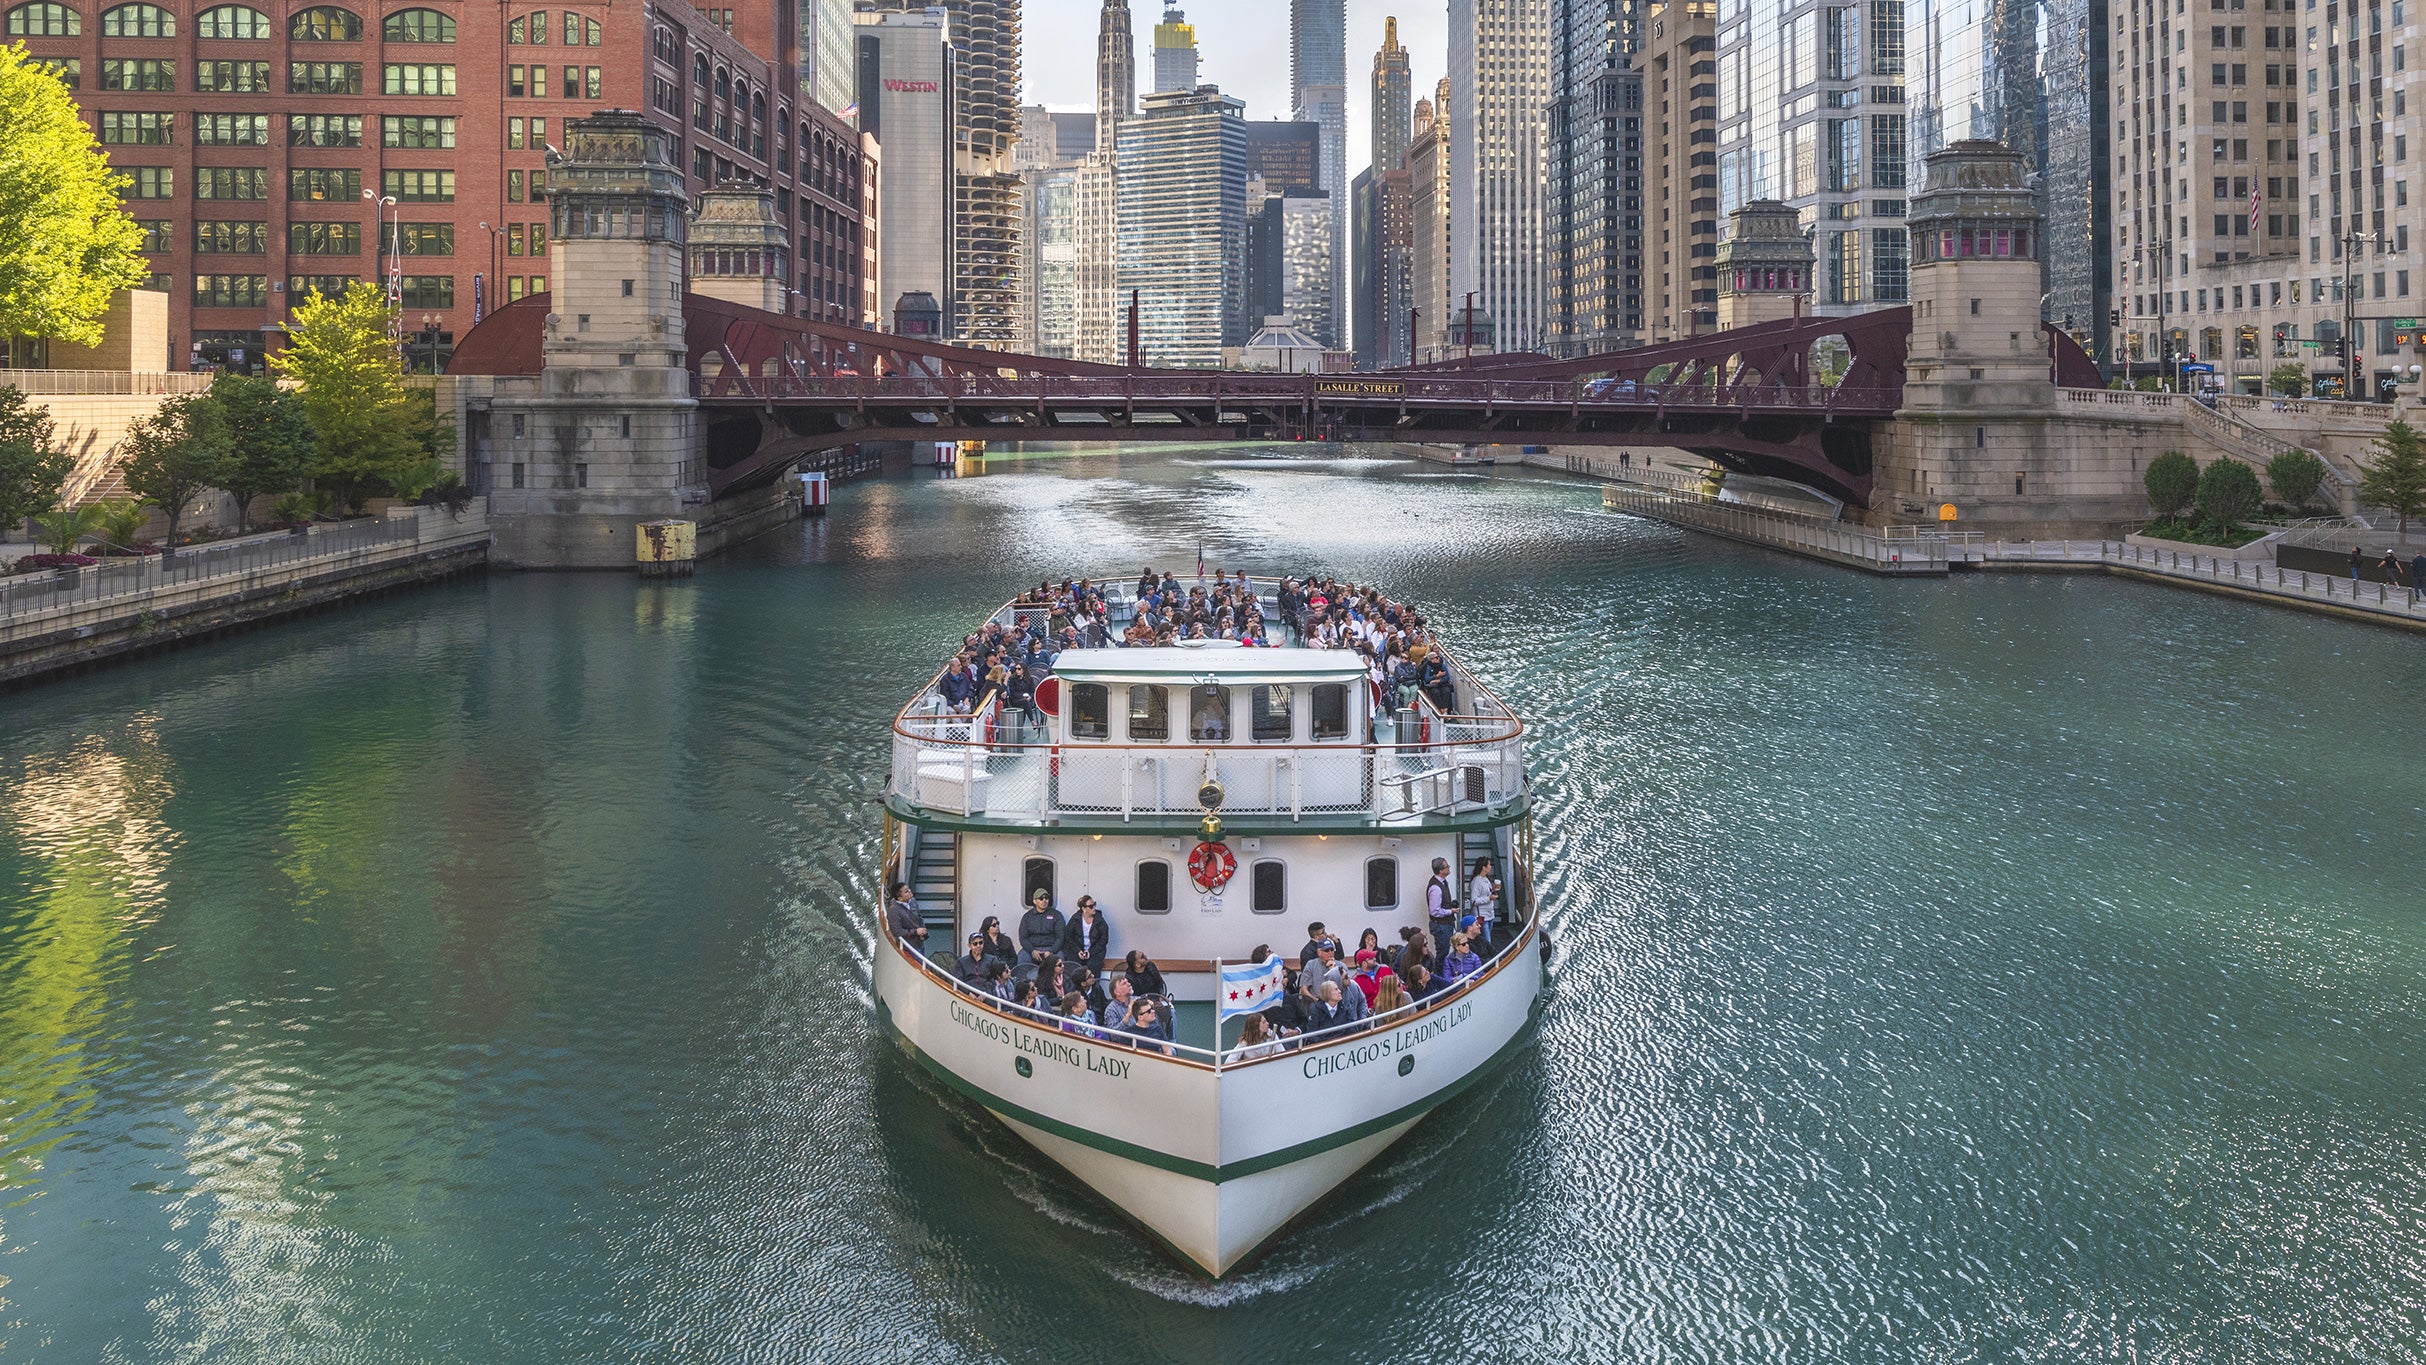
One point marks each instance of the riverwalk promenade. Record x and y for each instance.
(1912, 551)
(60, 620)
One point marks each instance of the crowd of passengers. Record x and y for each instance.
(1402, 659)
(1060, 966)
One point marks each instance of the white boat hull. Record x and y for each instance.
(1212, 1163)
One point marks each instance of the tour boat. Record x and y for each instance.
(1210, 798)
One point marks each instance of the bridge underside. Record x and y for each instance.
(746, 440)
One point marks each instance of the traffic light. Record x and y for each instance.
(2114, 317)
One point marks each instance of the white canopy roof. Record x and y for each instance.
(1212, 662)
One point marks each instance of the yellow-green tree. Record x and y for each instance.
(376, 435)
(66, 243)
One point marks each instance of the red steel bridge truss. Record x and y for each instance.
(1796, 399)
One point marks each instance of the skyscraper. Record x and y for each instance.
(1676, 69)
(1428, 225)
(1175, 60)
(1384, 227)
(905, 101)
(829, 53)
(986, 213)
(1095, 326)
(1393, 97)
(1318, 84)
(1594, 227)
(1181, 224)
(1499, 79)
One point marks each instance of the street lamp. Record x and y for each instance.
(2163, 248)
(395, 263)
(495, 287)
(2351, 242)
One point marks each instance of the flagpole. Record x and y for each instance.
(1217, 1015)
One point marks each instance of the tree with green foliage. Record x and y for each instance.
(66, 244)
(376, 434)
(121, 520)
(2289, 379)
(2395, 479)
(269, 439)
(2228, 495)
(32, 466)
(2173, 483)
(2296, 476)
(175, 454)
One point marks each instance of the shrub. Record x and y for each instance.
(2228, 494)
(2296, 476)
(30, 563)
(2173, 482)
(2289, 379)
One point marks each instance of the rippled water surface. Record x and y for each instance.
(2003, 969)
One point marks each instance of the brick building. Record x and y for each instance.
(264, 146)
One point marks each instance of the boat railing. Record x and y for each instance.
(1209, 1059)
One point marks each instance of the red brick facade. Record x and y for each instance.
(253, 130)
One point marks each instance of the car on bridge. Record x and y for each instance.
(1618, 389)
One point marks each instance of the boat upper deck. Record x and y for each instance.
(1327, 713)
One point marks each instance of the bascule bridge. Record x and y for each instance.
(663, 379)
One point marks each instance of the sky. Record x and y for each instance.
(1245, 45)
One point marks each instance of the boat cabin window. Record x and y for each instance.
(1149, 713)
(1269, 885)
(1154, 887)
(1209, 714)
(1035, 873)
(1381, 883)
(1270, 713)
(1330, 710)
(1090, 711)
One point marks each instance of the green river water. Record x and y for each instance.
(1995, 969)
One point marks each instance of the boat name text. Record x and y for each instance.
(1042, 1046)
(1405, 1040)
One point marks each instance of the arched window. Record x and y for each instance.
(758, 107)
(44, 20)
(138, 21)
(724, 84)
(232, 21)
(699, 70)
(325, 24)
(419, 26)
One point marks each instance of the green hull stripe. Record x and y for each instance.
(1198, 1170)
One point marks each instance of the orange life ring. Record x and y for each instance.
(1211, 866)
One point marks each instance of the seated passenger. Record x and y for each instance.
(1294, 1013)
(1325, 966)
(1462, 962)
(1254, 1040)
(1367, 978)
(1115, 1013)
(998, 979)
(1076, 1017)
(1315, 938)
(1144, 977)
(1040, 931)
(1145, 1027)
(1085, 938)
(1390, 996)
(959, 686)
(998, 944)
(1024, 995)
(1330, 1009)
(971, 965)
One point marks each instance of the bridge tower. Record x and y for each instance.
(1979, 391)
(608, 436)
(737, 248)
(1764, 266)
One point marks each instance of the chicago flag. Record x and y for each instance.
(1248, 987)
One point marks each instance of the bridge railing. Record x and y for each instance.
(1186, 386)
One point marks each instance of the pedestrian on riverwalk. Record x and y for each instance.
(2358, 562)
(2391, 568)
(2417, 570)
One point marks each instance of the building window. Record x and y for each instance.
(150, 74)
(422, 239)
(1154, 887)
(429, 291)
(420, 187)
(324, 78)
(231, 130)
(324, 130)
(300, 288)
(138, 21)
(69, 70)
(233, 22)
(1272, 712)
(323, 185)
(514, 187)
(427, 133)
(325, 24)
(1381, 883)
(1268, 887)
(138, 130)
(1035, 874)
(44, 21)
(231, 291)
(530, 28)
(157, 235)
(214, 238)
(1209, 714)
(232, 78)
(324, 239)
(151, 182)
(417, 78)
(418, 26)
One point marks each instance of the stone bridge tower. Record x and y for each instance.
(737, 248)
(1977, 430)
(1764, 266)
(607, 437)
